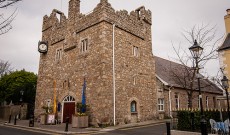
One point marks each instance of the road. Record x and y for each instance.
(159, 129)
(14, 131)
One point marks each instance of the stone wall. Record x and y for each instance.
(64, 75)
(13, 110)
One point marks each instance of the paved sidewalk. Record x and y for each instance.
(60, 128)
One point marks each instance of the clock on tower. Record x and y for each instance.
(43, 46)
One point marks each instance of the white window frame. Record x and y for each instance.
(160, 104)
(207, 102)
(177, 101)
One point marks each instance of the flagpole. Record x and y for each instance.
(114, 90)
(55, 104)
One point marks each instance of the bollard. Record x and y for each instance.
(31, 121)
(168, 128)
(203, 125)
(192, 122)
(66, 124)
(9, 119)
(15, 119)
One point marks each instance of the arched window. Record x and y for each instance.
(69, 99)
(133, 106)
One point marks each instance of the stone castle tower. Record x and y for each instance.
(81, 46)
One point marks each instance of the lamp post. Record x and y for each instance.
(21, 99)
(196, 52)
(225, 85)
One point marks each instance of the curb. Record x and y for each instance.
(121, 127)
(47, 130)
(141, 125)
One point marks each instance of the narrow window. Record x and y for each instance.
(133, 106)
(160, 104)
(134, 81)
(206, 101)
(58, 55)
(135, 51)
(214, 102)
(198, 101)
(84, 45)
(177, 101)
(188, 101)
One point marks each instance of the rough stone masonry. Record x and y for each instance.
(81, 46)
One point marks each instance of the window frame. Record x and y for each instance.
(133, 104)
(177, 101)
(58, 54)
(136, 51)
(207, 101)
(160, 104)
(84, 45)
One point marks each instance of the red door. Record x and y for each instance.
(69, 110)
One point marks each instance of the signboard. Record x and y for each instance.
(50, 119)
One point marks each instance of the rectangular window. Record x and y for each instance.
(135, 51)
(84, 45)
(177, 101)
(58, 54)
(188, 101)
(198, 101)
(214, 102)
(160, 104)
(206, 101)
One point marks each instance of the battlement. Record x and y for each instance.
(133, 22)
(56, 18)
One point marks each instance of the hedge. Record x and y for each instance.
(185, 119)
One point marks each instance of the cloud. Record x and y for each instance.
(169, 18)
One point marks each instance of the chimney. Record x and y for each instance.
(227, 21)
(74, 9)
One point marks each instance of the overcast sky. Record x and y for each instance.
(169, 18)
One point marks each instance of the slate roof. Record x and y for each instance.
(168, 72)
(226, 44)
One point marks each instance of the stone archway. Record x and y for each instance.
(68, 108)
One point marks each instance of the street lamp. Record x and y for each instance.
(225, 85)
(21, 97)
(21, 92)
(196, 52)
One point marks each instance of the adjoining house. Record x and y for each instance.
(224, 50)
(174, 86)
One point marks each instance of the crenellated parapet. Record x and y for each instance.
(55, 26)
(132, 22)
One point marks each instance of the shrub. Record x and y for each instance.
(185, 119)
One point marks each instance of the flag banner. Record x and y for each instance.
(83, 101)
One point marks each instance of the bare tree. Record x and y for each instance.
(5, 67)
(5, 23)
(187, 76)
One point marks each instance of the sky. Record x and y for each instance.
(169, 19)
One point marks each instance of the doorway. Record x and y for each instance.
(68, 108)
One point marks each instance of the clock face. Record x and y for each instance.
(43, 47)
